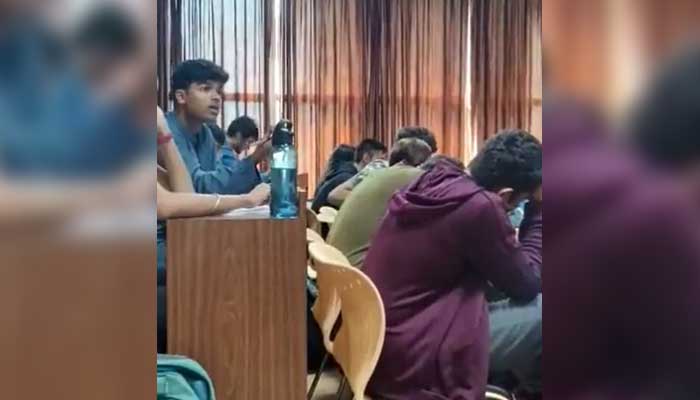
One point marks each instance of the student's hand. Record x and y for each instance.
(259, 195)
(261, 150)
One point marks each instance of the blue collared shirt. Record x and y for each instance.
(223, 174)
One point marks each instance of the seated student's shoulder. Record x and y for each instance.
(482, 204)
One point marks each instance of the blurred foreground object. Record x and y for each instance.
(623, 242)
(77, 211)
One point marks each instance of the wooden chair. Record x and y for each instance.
(329, 211)
(312, 221)
(358, 340)
(303, 182)
(313, 236)
(327, 215)
(496, 393)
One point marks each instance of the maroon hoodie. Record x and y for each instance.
(442, 239)
(623, 289)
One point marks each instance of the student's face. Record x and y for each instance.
(201, 101)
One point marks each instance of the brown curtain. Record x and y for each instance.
(243, 44)
(162, 44)
(418, 69)
(501, 65)
(235, 34)
(362, 69)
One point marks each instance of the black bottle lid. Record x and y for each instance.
(283, 133)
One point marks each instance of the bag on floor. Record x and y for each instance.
(180, 378)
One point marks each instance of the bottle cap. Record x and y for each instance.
(283, 133)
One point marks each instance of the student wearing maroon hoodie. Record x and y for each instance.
(623, 287)
(437, 337)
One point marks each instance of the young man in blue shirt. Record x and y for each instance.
(197, 87)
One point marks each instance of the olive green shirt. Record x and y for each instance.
(359, 217)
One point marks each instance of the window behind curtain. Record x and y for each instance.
(232, 33)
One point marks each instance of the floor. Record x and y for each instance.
(327, 386)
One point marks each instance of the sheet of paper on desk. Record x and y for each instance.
(250, 213)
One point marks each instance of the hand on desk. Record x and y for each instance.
(259, 195)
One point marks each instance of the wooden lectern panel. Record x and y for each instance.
(237, 303)
(78, 321)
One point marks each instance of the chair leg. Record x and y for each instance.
(341, 389)
(317, 377)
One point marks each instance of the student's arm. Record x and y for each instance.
(179, 179)
(185, 205)
(229, 175)
(512, 266)
(338, 195)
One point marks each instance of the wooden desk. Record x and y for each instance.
(78, 320)
(237, 304)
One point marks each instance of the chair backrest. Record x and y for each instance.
(497, 393)
(303, 181)
(312, 220)
(313, 236)
(328, 211)
(346, 290)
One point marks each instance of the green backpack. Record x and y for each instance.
(179, 378)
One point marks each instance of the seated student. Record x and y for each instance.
(623, 311)
(196, 92)
(418, 132)
(176, 198)
(437, 324)
(241, 134)
(369, 151)
(338, 195)
(341, 167)
(361, 213)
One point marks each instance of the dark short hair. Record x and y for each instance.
(368, 146)
(511, 159)
(244, 125)
(418, 132)
(196, 72)
(108, 31)
(439, 159)
(666, 127)
(411, 151)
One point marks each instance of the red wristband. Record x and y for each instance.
(164, 138)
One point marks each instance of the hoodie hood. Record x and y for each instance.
(434, 194)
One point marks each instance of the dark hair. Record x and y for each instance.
(411, 151)
(244, 125)
(196, 71)
(217, 133)
(511, 159)
(108, 31)
(368, 146)
(666, 127)
(439, 159)
(418, 132)
(342, 153)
